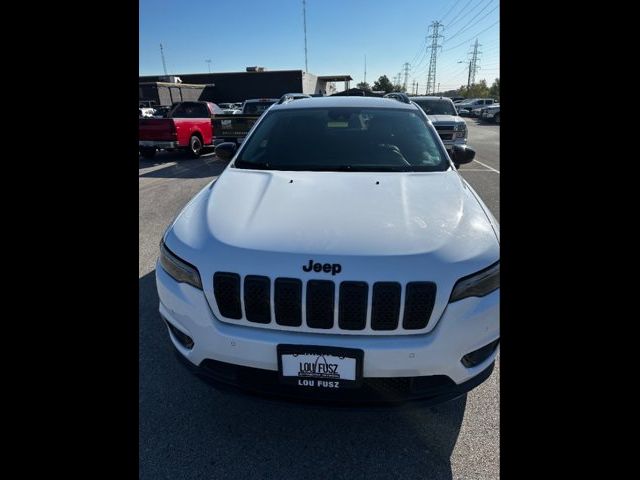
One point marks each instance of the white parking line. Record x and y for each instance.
(485, 165)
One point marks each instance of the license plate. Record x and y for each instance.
(320, 367)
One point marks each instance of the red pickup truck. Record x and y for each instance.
(188, 125)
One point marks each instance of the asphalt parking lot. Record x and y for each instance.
(190, 430)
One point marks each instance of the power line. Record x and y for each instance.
(453, 20)
(450, 10)
(474, 35)
(420, 50)
(471, 21)
(452, 23)
(422, 59)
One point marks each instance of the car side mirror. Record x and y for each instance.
(461, 154)
(226, 150)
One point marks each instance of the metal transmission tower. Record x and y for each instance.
(435, 36)
(406, 75)
(164, 64)
(473, 64)
(208, 64)
(304, 17)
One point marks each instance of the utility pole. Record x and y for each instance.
(365, 69)
(304, 16)
(164, 64)
(208, 64)
(406, 75)
(435, 36)
(473, 64)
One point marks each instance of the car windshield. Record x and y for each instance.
(437, 107)
(343, 139)
(257, 107)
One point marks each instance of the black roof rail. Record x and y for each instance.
(401, 97)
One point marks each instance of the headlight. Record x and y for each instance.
(180, 270)
(477, 285)
(461, 127)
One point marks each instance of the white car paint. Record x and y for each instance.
(391, 226)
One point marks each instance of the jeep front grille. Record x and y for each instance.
(385, 307)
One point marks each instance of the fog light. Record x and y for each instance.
(478, 356)
(185, 340)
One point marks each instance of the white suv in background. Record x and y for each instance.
(467, 107)
(444, 117)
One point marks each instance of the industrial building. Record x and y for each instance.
(236, 86)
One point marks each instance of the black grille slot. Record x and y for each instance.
(418, 304)
(320, 303)
(257, 290)
(444, 127)
(353, 305)
(385, 305)
(288, 301)
(226, 288)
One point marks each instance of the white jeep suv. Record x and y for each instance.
(339, 257)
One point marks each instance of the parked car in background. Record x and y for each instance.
(146, 112)
(230, 108)
(257, 106)
(188, 126)
(234, 127)
(465, 108)
(292, 96)
(442, 113)
(491, 114)
(162, 111)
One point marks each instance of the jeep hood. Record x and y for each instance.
(338, 213)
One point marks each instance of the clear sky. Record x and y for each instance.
(235, 34)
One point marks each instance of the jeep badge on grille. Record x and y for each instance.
(334, 268)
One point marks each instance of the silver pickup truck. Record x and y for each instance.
(442, 113)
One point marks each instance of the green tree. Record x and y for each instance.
(494, 91)
(384, 84)
(363, 86)
(477, 90)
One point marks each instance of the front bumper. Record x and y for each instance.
(425, 391)
(448, 144)
(157, 144)
(465, 326)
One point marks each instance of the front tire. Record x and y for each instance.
(195, 146)
(497, 119)
(148, 152)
